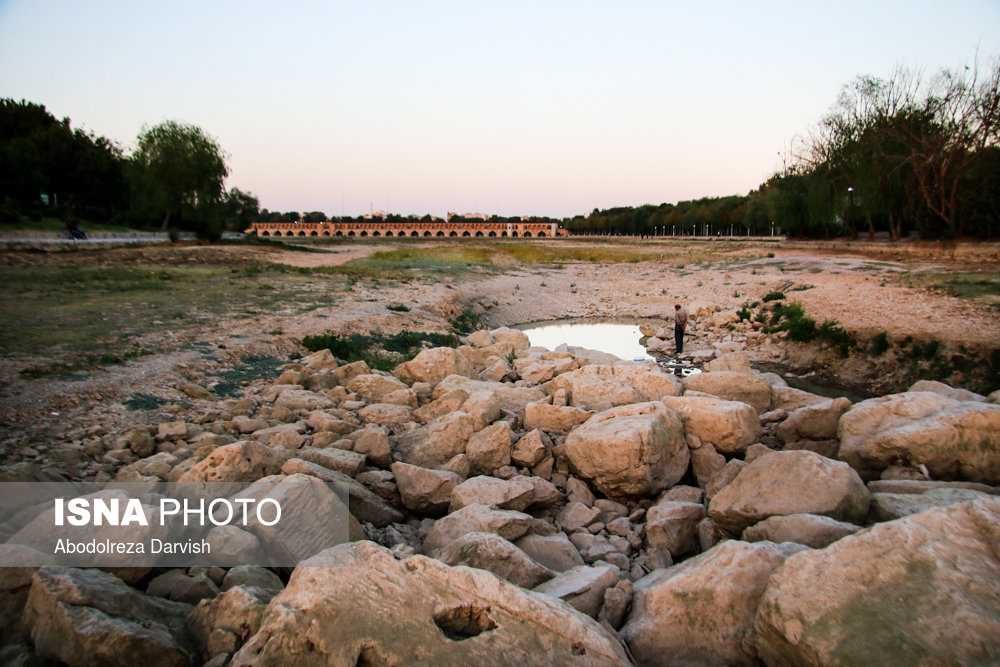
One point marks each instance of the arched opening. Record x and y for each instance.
(427, 233)
(527, 235)
(364, 233)
(326, 233)
(350, 233)
(414, 233)
(389, 233)
(466, 234)
(338, 233)
(541, 234)
(440, 233)
(514, 235)
(265, 233)
(313, 233)
(503, 235)
(453, 234)
(479, 233)
(492, 235)
(375, 233)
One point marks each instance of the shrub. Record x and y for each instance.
(774, 296)
(398, 307)
(879, 344)
(744, 313)
(835, 334)
(373, 348)
(466, 322)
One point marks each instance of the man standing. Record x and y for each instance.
(680, 325)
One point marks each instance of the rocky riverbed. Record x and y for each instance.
(517, 505)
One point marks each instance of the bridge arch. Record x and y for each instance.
(375, 233)
(389, 233)
(265, 233)
(440, 233)
(527, 235)
(427, 233)
(351, 233)
(364, 232)
(454, 234)
(414, 233)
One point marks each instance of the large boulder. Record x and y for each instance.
(599, 387)
(508, 494)
(242, 461)
(431, 446)
(814, 422)
(634, 449)
(423, 490)
(476, 518)
(553, 418)
(357, 605)
(889, 506)
(701, 612)
(434, 365)
(90, 617)
(512, 398)
(582, 587)
(795, 482)
(672, 527)
(811, 530)
(495, 554)
(956, 393)
(373, 387)
(489, 448)
(924, 590)
(554, 551)
(732, 386)
(730, 426)
(954, 439)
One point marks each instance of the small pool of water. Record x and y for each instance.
(621, 340)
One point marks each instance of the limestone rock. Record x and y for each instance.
(732, 386)
(708, 603)
(512, 398)
(433, 445)
(489, 448)
(476, 519)
(920, 590)
(423, 490)
(224, 623)
(386, 414)
(339, 614)
(954, 439)
(797, 482)
(737, 362)
(554, 551)
(242, 461)
(630, 450)
(302, 399)
(493, 553)
(530, 449)
(812, 530)
(889, 506)
(814, 422)
(374, 387)
(672, 527)
(790, 398)
(513, 494)
(553, 418)
(582, 587)
(434, 365)
(599, 387)
(945, 390)
(730, 426)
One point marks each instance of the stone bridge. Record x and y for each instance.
(414, 229)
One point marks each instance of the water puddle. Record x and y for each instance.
(621, 340)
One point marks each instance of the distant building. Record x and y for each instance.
(468, 216)
(373, 215)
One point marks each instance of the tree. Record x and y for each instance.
(177, 173)
(242, 209)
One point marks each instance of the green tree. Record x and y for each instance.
(177, 174)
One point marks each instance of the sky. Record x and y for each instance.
(514, 108)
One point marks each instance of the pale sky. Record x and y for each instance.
(537, 107)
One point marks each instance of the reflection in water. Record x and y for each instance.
(621, 340)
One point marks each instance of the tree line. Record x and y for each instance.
(174, 178)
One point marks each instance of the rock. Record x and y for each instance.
(790, 398)
(500, 493)
(512, 398)
(617, 600)
(578, 492)
(289, 436)
(373, 443)
(448, 402)
(797, 482)
(484, 406)
(489, 448)
(732, 386)
(672, 527)
(827, 448)
(941, 388)
(481, 338)
(708, 603)
(889, 506)
(811, 530)
(345, 373)
(920, 590)
(723, 477)
(424, 490)
(224, 623)
(231, 544)
(319, 361)
(730, 426)
(708, 534)
(386, 414)
(952, 438)
(737, 362)
(141, 442)
(340, 460)
(176, 430)
(630, 450)
(433, 445)
(544, 494)
(90, 617)
(180, 586)
(553, 418)
(476, 519)
(434, 365)
(813, 422)
(755, 451)
(364, 505)
(302, 399)
(554, 551)
(599, 387)
(706, 463)
(922, 486)
(582, 587)
(576, 515)
(334, 611)
(253, 576)
(242, 461)
(538, 370)
(493, 553)
(530, 449)
(690, 494)
(373, 387)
